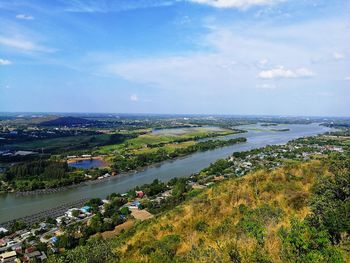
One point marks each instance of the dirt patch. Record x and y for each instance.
(141, 214)
(118, 229)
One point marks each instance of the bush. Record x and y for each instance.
(307, 244)
(201, 226)
(330, 203)
(298, 200)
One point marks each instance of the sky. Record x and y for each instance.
(260, 57)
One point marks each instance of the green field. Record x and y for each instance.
(164, 137)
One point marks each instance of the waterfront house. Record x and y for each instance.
(85, 209)
(3, 230)
(8, 257)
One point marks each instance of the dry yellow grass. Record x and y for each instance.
(219, 207)
(118, 229)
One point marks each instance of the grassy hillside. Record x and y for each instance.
(267, 216)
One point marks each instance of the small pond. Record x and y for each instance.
(87, 164)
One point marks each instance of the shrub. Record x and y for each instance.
(201, 226)
(298, 200)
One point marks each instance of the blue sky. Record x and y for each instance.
(278, 57)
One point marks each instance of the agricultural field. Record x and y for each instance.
(166, 136)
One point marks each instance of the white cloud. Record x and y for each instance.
(134, 98)
(24, 17)
(262, 63)
(281, 72)
(241, 4)
(347, 78)
(233, 60)
(266, 86)
(5, 62)
(338, 56)
(24, 45)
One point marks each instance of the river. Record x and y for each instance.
(13, 206)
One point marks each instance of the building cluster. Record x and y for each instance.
(23, 245)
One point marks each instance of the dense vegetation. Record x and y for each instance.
(128, 162)
(298, 213)
(40, 174)
(68, 121)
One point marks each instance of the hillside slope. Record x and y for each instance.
(256, 218)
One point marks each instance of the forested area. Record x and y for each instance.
(40, 174)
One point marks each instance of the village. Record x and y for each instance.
(22, 242)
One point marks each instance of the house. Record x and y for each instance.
(17, 248)
(70, 212)
(134, 204)
(61, 219)
(8, 257)
(3, 230)
(43, 256)
(31, 256)
(54, 239)
(140, 194)
(85, 209)
(167, 193)
(29, 250)
(26, 235)
(3, 242)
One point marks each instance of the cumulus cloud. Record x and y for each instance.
(281, 72)
(134, 98)
(24, 17)
(5, 62)
(241, 4)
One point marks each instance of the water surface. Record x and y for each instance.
(87, 164)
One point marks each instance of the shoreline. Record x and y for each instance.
(96, 181)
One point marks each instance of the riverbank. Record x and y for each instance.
(12, 206)
(124, 173)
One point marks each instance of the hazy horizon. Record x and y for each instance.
(223, 57)
(167, 114)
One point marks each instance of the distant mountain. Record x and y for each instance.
(67, 121)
